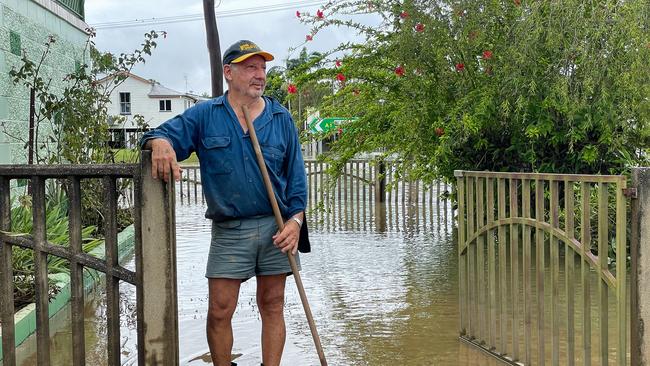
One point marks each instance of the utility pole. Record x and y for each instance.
(214, 49)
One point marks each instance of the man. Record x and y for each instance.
(245, 241)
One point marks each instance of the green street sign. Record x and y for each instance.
(322, 125)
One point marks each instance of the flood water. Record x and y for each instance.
(378, 298)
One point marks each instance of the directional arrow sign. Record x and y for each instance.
(321, 125)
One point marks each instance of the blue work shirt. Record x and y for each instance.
(231, 179)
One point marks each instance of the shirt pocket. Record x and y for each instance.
(218, 154)
(274, 157)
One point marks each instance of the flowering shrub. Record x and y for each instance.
(492, 85)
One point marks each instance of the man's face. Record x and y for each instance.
(248, 77)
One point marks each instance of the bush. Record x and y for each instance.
(510, 85)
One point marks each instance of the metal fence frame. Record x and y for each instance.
(491, 315)
(155, 260)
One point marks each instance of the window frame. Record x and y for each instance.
(165, 105)
(125, 105)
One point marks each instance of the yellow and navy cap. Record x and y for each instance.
(242, 50)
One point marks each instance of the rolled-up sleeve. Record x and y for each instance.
(181, 132)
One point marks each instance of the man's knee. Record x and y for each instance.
(220, 312)
(271, 304)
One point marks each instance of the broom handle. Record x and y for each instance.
(278, 219)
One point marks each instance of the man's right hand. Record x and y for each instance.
(163, 159)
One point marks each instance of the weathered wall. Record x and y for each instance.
(29, 24)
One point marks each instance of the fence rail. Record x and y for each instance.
(154, 275)
(513, 230)
(367, 195)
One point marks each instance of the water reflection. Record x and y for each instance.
(378, 298)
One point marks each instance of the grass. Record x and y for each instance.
(132, 156)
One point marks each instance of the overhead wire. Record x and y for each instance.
(196, 17)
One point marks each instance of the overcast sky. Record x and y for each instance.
(183, 54)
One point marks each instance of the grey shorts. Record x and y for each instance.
(243, 248)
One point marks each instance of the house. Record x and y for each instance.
(25, 26)
(137, 96)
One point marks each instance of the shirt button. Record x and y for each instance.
(245, 157)
(250, 180)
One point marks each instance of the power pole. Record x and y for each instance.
(214, 49)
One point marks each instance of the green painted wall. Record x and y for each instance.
(27, 23)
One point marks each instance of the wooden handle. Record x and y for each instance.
(280, 221)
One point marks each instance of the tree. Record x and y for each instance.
(78, 116)
(508, 85)
(279, 84)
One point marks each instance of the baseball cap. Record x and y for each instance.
(242, 50)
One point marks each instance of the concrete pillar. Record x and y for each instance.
(380, 196)
(640, 277)
(158, 330)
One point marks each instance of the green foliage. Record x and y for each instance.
(498, 85)
(301, 101)
(78, 114)
(56, 223)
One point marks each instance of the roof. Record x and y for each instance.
(128, 75)
(158, 90)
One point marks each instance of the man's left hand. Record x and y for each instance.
(288, 238)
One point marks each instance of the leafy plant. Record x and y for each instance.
(77, 114)
(540, 86)
(56, 223)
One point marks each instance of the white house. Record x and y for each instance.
(147, 98)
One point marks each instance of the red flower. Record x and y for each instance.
(297, 14)
(309, 37)
(338, 63)
(419, 27)
(340, 77)
(340, 131)
(292, 89)
(404, 14)
(487, 54)
(460, 66)
(319, 14)
(439, 131)
(399, 70)
(517, 2)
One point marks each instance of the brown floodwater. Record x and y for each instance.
(378, 298)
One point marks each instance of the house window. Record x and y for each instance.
(125, 103)
(165, 105)
(14, 43)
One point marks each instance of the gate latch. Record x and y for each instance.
(630, 192)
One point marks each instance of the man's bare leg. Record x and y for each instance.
(223, 295)
(270, 300)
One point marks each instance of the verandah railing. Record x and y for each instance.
(155, 258)
(513, 229)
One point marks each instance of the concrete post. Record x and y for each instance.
(157, 272)
(380, 196)
(640, 277)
